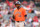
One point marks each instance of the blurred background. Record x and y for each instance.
(32, 8)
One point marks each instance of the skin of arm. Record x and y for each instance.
(25, 16)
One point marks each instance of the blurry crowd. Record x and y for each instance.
(6, 12)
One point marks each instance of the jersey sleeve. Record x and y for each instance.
(24, 12)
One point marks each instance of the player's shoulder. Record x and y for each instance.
(22, 8)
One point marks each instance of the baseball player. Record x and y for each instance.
(19, 15)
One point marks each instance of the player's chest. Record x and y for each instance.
(18, 12)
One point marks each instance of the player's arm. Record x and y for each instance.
(24, 13)
(13, 17)
(26, 16)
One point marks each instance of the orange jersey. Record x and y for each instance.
(19, 14)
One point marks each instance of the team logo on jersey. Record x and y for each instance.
(18, 13)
